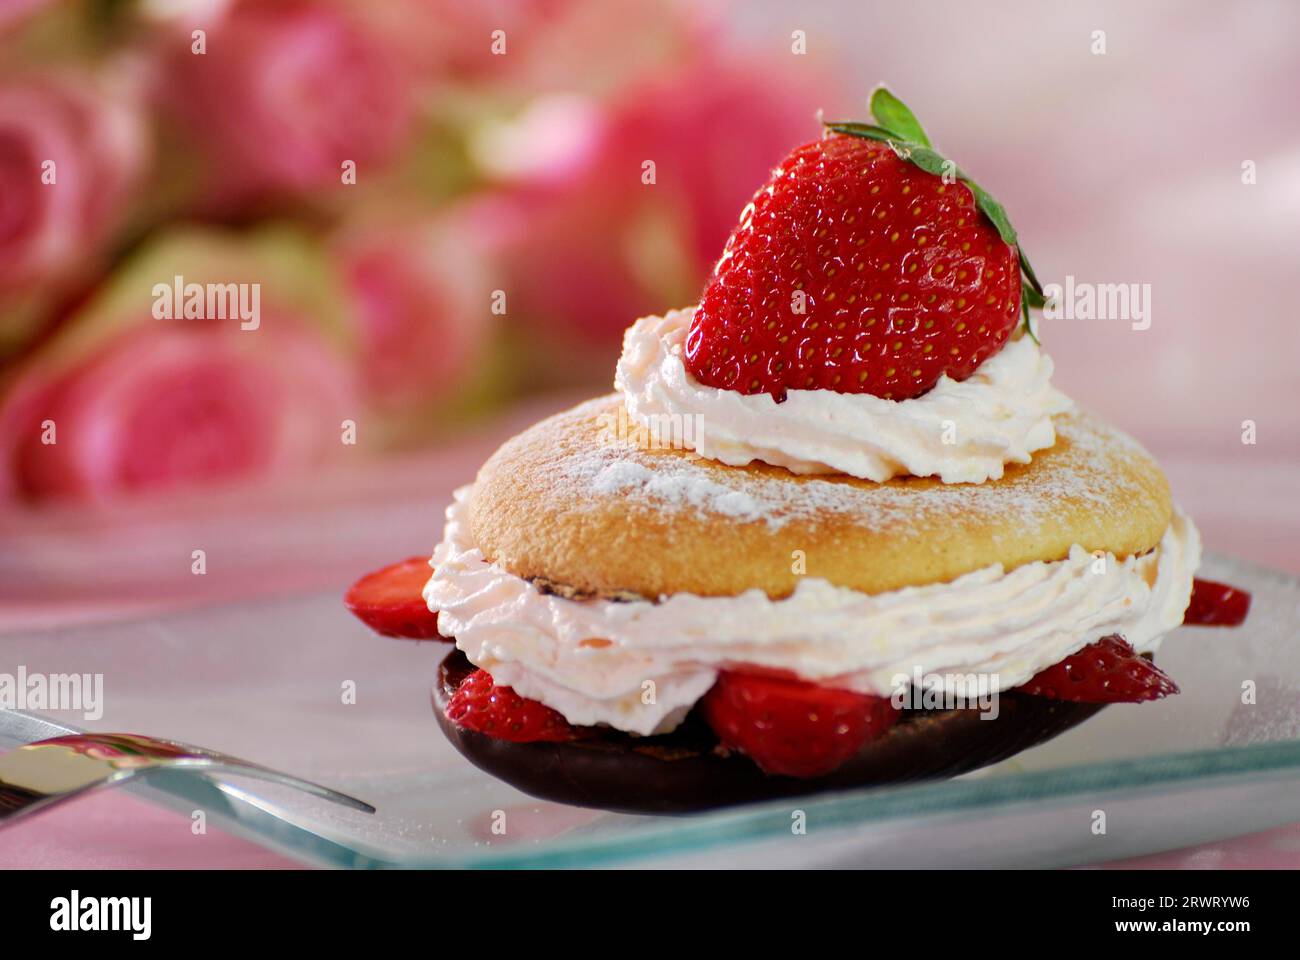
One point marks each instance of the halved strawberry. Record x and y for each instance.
(389, 601)
(793, 727)
(1216, 605)
(1107, 671)
(866, 264)
(480, 704)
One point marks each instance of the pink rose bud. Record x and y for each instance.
(421, 310)
(71, 151)
(190, 402)
(650, 201)
(284, 94)
(14, 12)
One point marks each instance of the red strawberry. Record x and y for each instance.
(792, 727)
(1216, 605)
(389, 601)
(1107, 671)
(858, 271)
(480, 705)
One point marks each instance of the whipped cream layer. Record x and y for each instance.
(960, 432)
(640, 666)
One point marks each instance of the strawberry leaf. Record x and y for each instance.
(1033, 280)
(930, 162)
(994, 211)
(892, 114)
(866, 131)
(1027, 296)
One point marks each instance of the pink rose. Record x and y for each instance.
(420, 310)
(528, 46)
(443, 39)
(71, 152)
(285, 93)
(14, 12)
(715, 130)
(172, 404)
(599, 248)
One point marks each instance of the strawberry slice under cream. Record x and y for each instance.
(960, 432)
(640, 666)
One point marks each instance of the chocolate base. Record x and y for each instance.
(688, 770)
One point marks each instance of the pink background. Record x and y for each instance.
(1122, 167)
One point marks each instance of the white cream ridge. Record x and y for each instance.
(960, 432)
(640, 666)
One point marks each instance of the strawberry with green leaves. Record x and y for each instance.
(868, 263)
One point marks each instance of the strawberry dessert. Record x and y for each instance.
(834, 528)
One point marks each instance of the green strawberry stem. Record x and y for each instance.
(897, 126)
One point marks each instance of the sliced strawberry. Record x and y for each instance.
(866, 264)
(1107, 671)
(793, 727)
(1216, 605)
(481, 705)
(389, 601)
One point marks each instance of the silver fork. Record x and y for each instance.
(39, 775)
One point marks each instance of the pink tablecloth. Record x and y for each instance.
(114, 830)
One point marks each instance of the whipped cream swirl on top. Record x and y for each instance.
(960, 432)
(596, 661)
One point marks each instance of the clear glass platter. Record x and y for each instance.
(269, 681)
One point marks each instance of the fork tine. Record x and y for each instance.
(174, 753)
(47, 771)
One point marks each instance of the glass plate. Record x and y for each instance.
(271, 681)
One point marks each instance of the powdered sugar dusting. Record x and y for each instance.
(679, 480)
(675, 489)
(620, 475)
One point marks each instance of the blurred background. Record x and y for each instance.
(441, 203)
